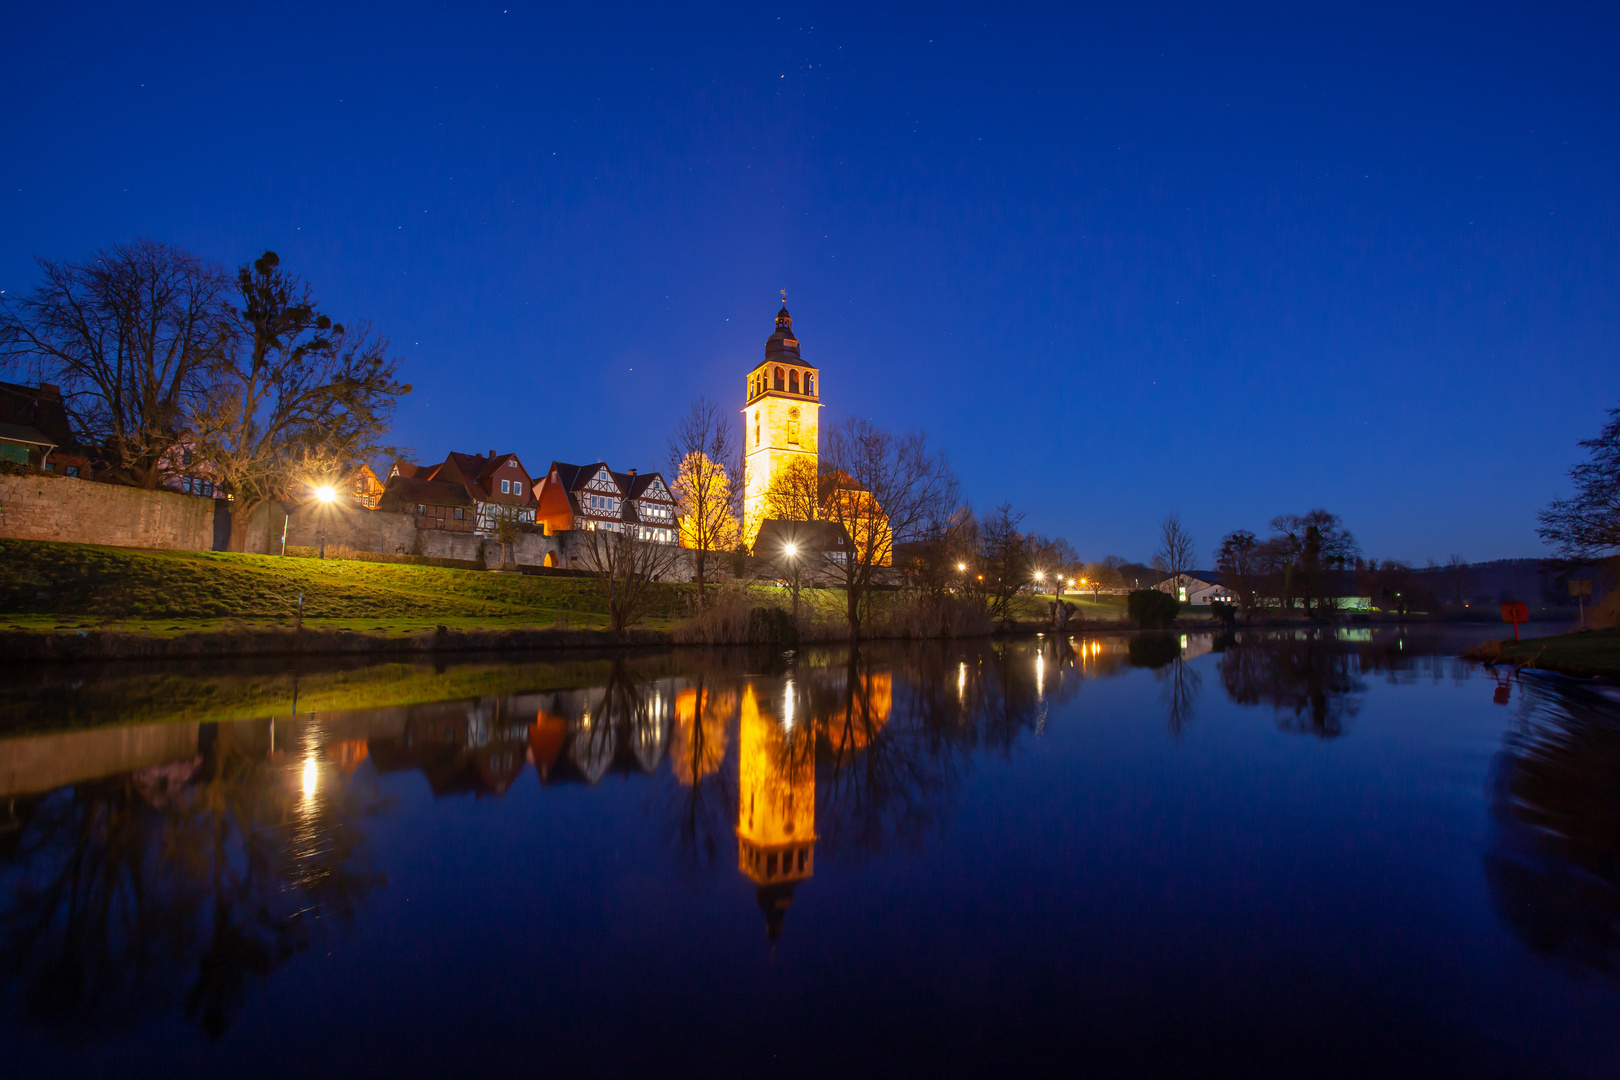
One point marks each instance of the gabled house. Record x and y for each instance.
(367, 489)
(34, 430)
(435, 504)
(595, 497)
(1198, 588)
(466, 492)
(183, 471)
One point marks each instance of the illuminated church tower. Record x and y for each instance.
(780, 420)
(776, 806)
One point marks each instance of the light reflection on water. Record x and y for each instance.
(939, 803)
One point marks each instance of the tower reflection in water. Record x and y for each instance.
(776, 812)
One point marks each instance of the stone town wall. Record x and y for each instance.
(391, 534)
(83, 512)
(80, 511)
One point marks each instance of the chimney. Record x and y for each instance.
(49, 392)
(492, 453)
(632, 474)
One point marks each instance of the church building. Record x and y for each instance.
(780, 419)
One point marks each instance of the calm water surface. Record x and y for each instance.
(1337, 852)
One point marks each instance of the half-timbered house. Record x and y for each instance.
(595, 497)
(481, 489)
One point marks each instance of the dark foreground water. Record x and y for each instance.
(1334, 853)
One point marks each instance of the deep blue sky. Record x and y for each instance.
(1236, 261)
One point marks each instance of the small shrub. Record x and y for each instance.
(1152, 608)
(772, 626)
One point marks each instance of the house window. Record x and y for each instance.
(421, 511)
(460, 512)
(72, 470)
(208, 487)
(506, 487)
(517, 487)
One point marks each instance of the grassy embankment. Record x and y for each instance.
(1585, 653)
(53, 587)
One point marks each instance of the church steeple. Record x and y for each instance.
(784, 344)
(779, 418)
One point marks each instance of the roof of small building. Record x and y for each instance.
(21, 433)
(402, 491)
(38, 408)
(776, 533)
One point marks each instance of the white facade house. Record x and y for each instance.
(1196, 591)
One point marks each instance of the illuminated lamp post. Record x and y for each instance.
(791, 550)
(1039, 577)
(326, 495)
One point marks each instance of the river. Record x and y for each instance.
(1339, 852)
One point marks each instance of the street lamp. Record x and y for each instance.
(791, 550)
(326, 495)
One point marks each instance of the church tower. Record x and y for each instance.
(776, 803)
(780, 419)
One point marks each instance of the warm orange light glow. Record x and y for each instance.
(325, 493)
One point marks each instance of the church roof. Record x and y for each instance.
(783, 345)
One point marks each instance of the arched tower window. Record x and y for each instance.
(793, 382)
(756, 429)
(780, 384)
(809, 384)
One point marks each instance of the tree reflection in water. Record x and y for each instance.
(1311, 680)
(203, 874)
(1554, 861)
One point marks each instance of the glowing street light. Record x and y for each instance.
(326, 496)
(962, 567)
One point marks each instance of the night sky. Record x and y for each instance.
(1232, 261)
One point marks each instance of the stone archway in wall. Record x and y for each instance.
(551, 559)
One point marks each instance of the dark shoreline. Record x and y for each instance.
(240, 643)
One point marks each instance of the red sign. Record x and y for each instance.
(1516, 612)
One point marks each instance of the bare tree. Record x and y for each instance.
(884, 490)
(705, 497)
(1004, 560)
(506, 522)
(1175, 554)
(130, 334)
(794, 493)
(626, 569)
(1239, 559)
(1098, 576)
(1588, 522)
(299, 400)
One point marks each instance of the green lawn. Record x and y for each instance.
(1592, 652)
(47, 585)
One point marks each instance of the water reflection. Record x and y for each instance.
(1554, 860)
(185, 879)
(170, 865)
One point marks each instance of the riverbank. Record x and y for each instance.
(1584, 654)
